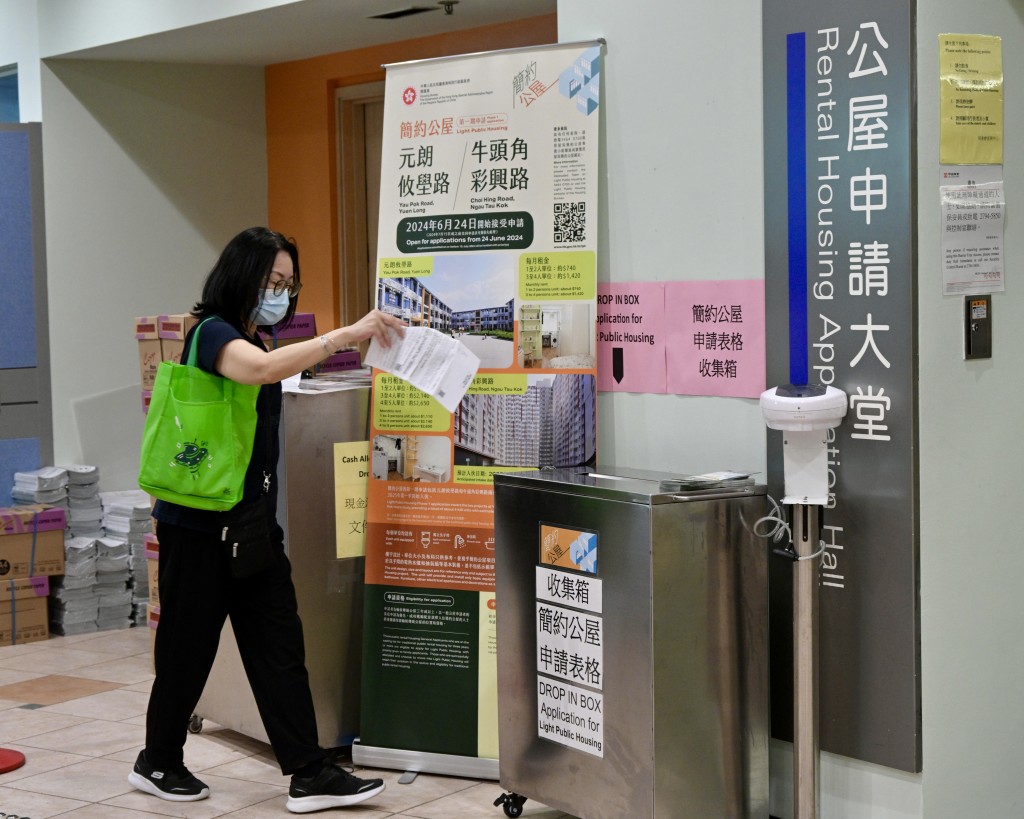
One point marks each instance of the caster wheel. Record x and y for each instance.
(195, 724)
(511, 803)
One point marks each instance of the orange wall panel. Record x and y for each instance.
(301, 151)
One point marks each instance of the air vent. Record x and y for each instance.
(406, 12)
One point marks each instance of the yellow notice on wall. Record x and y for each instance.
(970, 99)
(351, 474)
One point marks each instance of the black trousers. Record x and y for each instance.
(197, 593)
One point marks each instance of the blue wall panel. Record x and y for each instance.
(16, 455)
(18, 327)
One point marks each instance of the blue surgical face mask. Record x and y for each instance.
(271, 308)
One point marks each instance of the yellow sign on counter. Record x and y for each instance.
(351, 475)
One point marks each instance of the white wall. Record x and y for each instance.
(30, 29)
(972, 617)
(681, 130)
(73, 25)
(149, 170)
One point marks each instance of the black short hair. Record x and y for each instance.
(232, 289)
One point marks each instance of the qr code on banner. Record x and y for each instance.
(570, 222)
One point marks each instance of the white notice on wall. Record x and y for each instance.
(972, 238)
(570, 716)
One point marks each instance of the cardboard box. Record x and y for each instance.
(28, 623)
(25, 587)
(173, 329)
(152, 620)
(147, 327)
(301, 328)
(29, 555)
(38, 517)
(150, 356)
(344, 360)
(153, 572)
(152, 547)
(147, 396)
(152, 615)
(176, 325)
(171, 349)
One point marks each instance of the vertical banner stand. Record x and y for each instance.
(488, 230)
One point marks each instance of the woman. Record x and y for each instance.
(254, 284)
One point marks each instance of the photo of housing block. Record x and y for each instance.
(554, 423)
(469, 297)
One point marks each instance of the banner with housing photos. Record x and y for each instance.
(488, 232)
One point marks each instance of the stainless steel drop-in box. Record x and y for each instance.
(632, 640)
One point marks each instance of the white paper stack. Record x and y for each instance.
(85, 512)
(111, 559)
(46, 485)
(137, 563)
(79, 563)
(139, 611)
(74, 604)
(126, 518)
(126, 503)
(112, 584)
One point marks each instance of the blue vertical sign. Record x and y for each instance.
(840, 273)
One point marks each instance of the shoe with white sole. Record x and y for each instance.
(174, 784)
(332, 787)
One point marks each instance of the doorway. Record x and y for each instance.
(360, 129)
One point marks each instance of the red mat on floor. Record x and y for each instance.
(9, 760)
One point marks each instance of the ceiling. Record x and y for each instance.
(307, 29)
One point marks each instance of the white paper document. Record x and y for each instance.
(973, 217)
(431, 361)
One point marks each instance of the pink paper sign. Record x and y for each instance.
(631, 337)
(716, 339)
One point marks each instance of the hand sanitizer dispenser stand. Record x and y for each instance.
(805, 413)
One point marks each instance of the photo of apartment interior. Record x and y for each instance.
(556, 335)
(425, 458)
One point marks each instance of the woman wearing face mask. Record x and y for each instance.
(254, 284)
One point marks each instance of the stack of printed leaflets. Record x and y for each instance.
(74, 603)
(708, 480)
(85, 513)
(122, 572)
(47, 485)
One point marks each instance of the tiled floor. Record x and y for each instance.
(75, 707)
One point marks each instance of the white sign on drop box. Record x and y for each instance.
(570, 716)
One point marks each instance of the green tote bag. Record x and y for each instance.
(198, 436)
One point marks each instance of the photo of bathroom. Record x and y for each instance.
(425, 458)
(556, 335)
